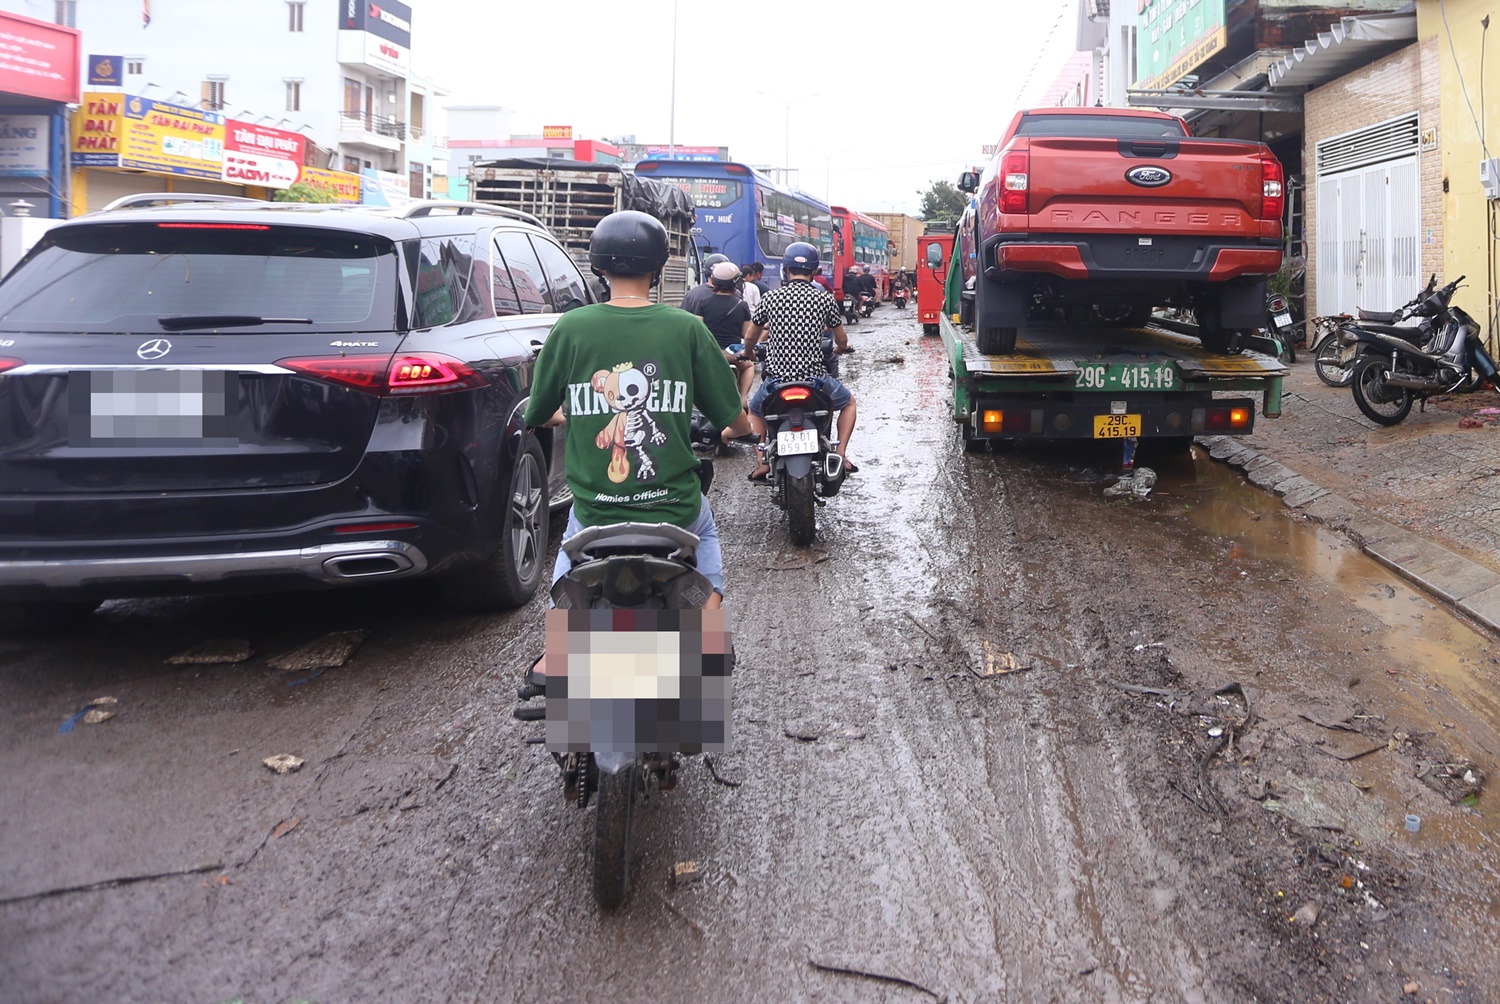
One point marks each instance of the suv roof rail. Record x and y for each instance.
(163, 198)
(427, 207)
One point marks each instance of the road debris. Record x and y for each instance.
(284, 763)
(213, 652)
(685, 872)
(94, 716)
(1135, 484)
(873, 969)
(286, 826)
(1413, 823)
(713, 772)
(1330, 805)
(999, 663)
(1411, 988)
(102, 702)
(89, 714)
(1306, 915)
(1454, 778)
(328, 652)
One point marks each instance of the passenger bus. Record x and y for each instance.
(745, 215)
(860, 241)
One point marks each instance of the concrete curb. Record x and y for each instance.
(1470, 588)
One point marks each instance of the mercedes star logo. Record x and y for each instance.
(154, 349)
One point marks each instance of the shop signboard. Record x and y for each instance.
(384, 188)
(665, 152)
(115, 130)
(259, 155)
(38, 59)
(24, 140)
(557, 132)
(106, 71)
(342, 186)
(1174, 37)
(375, 34)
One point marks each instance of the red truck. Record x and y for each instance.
(1119, 211)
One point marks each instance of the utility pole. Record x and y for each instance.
(672, 115)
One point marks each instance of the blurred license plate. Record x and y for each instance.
(790, 444)
(153, 408)
(1116, 426)
(1283, 320)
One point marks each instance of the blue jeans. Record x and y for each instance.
(710, 555)
(838, 394)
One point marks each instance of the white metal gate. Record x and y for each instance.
(1369, 218)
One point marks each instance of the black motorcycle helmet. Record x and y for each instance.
(711, 261)
(629, 243)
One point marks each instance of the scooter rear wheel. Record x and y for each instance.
(614, 808)
(1380, 402)
(801, 510)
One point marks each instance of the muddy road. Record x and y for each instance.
(998, 737)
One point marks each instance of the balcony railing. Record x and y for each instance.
(380, 125)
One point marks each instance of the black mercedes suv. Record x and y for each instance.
(227, 394)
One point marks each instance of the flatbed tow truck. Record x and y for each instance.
(1071, 381)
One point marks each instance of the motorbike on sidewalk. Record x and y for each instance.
(1279, 324)
(1337, 348)
(620, 715)
(1391, 372)
(800, 450)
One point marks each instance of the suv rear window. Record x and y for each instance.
(1098, 126)
(127, 276)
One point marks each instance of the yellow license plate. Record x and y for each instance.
(1116, 426)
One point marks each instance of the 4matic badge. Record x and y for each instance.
(355, 345)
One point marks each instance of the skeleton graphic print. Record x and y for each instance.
(627, 391)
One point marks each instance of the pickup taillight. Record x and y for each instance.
(1273, 193)
(1014, 169)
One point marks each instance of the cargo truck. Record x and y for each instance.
(571, 197)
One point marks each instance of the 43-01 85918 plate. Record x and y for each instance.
(790, 443)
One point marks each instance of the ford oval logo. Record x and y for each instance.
(1148, 177)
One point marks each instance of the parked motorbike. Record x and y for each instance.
(867, 304)
(805, 469)
(1338, 348)
(1393, 372)
(1279, 323)
(851, 309)
(898, 297)
(658, 710)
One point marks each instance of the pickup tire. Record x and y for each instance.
(997, 341)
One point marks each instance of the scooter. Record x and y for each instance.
(805, 469)
(898, 296)
(867, 304)
(1279, 323)
(851, 309)
(1393, 372)
(655, 710)
(1336, 352)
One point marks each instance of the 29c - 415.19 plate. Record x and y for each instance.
(1116, 426)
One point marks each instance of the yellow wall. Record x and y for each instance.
(1466, 213)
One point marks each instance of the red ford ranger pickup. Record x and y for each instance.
(1119, 211)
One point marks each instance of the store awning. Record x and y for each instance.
(1348, 45)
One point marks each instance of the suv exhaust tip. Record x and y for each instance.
(368, 565)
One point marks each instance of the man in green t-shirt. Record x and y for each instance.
(625, 376)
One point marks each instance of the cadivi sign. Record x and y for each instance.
(259, 155)
(38, 60)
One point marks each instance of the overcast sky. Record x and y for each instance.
(605, 68)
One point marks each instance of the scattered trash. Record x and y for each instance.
(284, 763)
(894, 360)
(100, 702)
(328, 652)
(88, 714)
(1413, 823)
(1216, 731)
(685, 872)
(1306, 915)
(1330, 805)
(1137, 483)
(213, 652)
(1362, 784)
(285, 826)
(873, 969)
(94, 716)
(805, 733)
(1346, 881)
(713, 772)
(1411, 988)
(1149, 644)
(1456, 780)
(998, 663)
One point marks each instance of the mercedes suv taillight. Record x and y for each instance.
(419, 373)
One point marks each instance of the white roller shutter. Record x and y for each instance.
(105, 187)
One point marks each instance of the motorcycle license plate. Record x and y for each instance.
(791, 444)
(1283, 320)
(1116, 426)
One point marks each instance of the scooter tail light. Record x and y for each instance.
(794, 394)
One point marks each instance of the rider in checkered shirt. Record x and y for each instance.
(796, 315)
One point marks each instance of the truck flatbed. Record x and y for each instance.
(1063, 381)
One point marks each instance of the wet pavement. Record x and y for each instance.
(974, 750)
